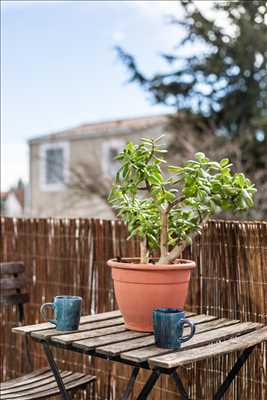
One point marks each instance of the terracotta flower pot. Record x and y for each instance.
(139, 288)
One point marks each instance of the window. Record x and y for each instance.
(54, 160)
(110, 150)
(54, 166)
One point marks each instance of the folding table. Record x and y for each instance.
(104, 335)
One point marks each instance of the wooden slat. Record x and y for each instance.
(17, 298)
(32, 379)
(30, 384)
(43, 386)
(69, 338)
(138, 351)
(115, 349)
(12, 283)
(185, 357)
(72, 384)
(89, 344)
(202, 318)
(10, 268)
(27, 329)
(32, 375)
(44, 390)
(190, 314)
(45, 335)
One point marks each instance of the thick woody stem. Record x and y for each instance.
(143, 251)
(164, 233)
(173, 255)
(164, 258)
(176, 252)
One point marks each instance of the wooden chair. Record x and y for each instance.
(40, 383)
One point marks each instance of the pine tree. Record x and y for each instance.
(224, 88)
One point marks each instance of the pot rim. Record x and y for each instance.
(130, 263)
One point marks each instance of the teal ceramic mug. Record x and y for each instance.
(168, 327)
(67, 311)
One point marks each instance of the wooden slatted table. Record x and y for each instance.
(104, 335)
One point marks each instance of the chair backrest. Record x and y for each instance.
(13, 292)
(13, 285)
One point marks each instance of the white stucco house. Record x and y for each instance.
(89, 149)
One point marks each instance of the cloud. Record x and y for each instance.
(157, 8)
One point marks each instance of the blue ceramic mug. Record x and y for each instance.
(67, 310)
(168, 326)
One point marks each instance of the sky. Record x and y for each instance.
(59, 68)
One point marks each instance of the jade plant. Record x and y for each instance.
(165, 205)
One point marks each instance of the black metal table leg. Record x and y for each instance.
(149, 385)
(131, 383)
(180, 386)
(64, 394)
(233, 373)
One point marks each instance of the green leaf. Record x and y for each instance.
(129, 147)
(160, 160)
(152, 239)
(152, 179)
(200, 156)
(159, 138)
(173, 168)
(224, 162)
(161, 151)
(147, 141)
(214, 164)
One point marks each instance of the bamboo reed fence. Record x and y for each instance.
(68, 256)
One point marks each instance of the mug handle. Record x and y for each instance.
(186, 322)
(42, 309)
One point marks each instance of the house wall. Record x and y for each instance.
(89, 151)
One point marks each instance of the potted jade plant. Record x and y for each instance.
(165, 207)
